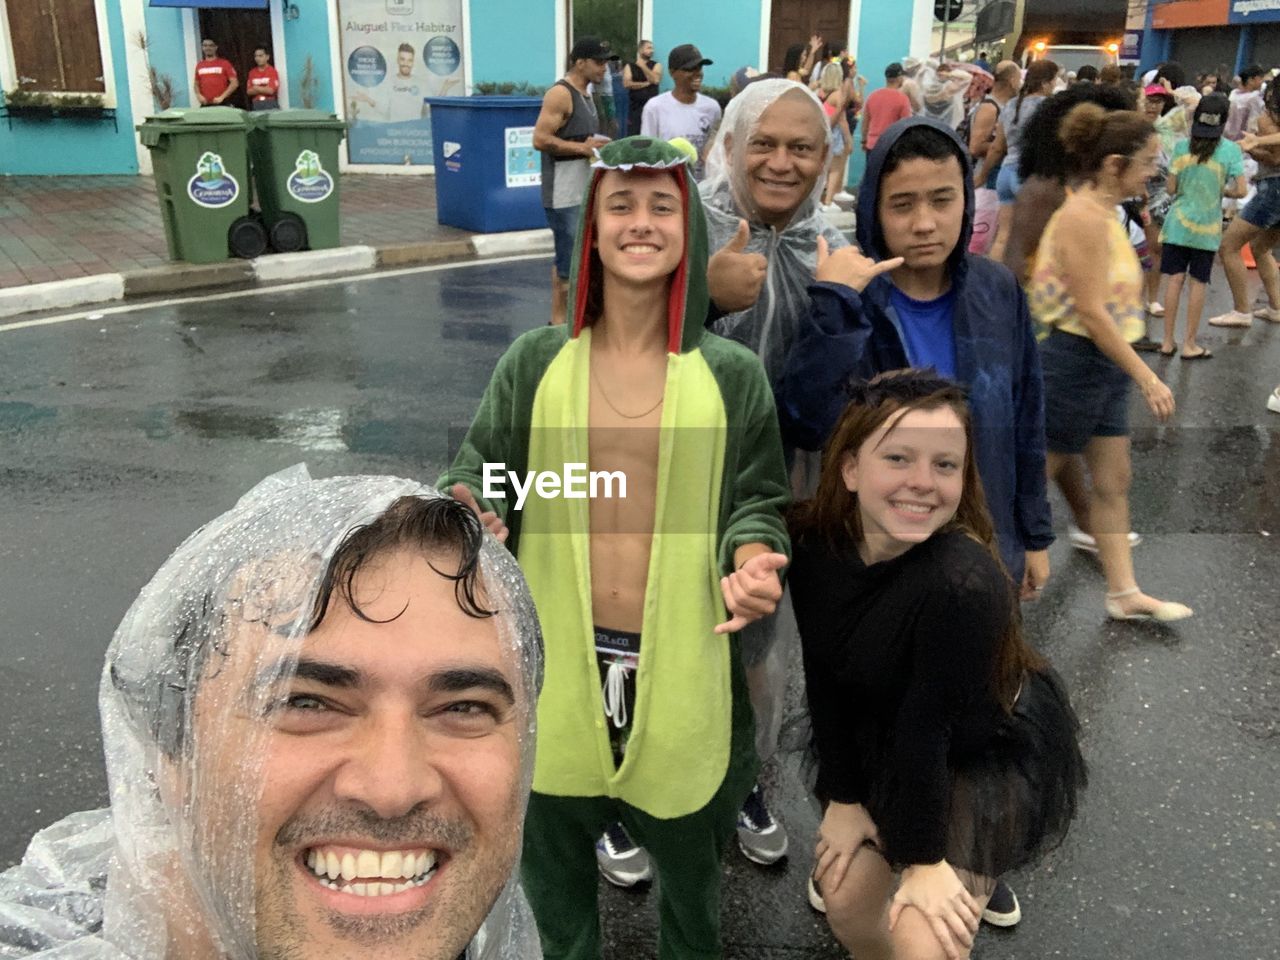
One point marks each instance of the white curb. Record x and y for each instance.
(513, 244)
(59, 294)
(314, 263)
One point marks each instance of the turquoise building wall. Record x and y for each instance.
(165, 52)
(726, 31)
(514, 41)
(310, 36)
(65, 146)
(884, 37)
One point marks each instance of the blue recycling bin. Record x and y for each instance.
(488, 176)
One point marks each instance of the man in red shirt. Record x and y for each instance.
(885, 107)
(264, 82)
(215, 78)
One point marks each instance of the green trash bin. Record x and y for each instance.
(295, 168)
(200, 158)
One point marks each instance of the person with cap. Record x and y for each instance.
(567, 132)
(884, 107)
(644, 716)
(318, 722)
(1202, 171)
(641, 79)
(684, 112)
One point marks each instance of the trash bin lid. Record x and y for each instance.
(315, 119)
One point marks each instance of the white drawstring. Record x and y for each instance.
(615, 702)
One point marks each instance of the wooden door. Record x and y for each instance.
(55, 45)
(237, 33)
(795, 21)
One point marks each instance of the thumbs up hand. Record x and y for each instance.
(735, 277)
(752, 591)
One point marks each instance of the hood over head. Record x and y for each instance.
(768, 326)
(193, 681)
(687, 300)
(870, 236)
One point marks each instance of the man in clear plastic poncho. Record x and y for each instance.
(318, 725)
(765, 173)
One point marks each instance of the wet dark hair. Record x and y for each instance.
(1089, 134)
(791, 59)
(1250, 72)
(1271, 100)
(164, 702)
(264, 48)
(1038, 74)
(1202, 148)
(426, 526)
(1042, 153)
(925, 142)
(1087, 74)
(1173, 72)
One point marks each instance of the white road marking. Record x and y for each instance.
(98, 312)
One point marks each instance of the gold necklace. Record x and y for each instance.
(624, 416)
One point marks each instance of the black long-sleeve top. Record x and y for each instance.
(899, 659)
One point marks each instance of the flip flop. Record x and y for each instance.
(1204, 354)
(1168, 353)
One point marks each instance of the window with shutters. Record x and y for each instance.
(55, 45)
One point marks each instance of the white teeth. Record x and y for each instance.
(913, 507)
(368, 864)
(392, 864)
(384, 869)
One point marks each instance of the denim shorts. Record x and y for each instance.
(564, 228)
(1264, 209)
(1085, 394)
(1007, 183)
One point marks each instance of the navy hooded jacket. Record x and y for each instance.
(851, 335)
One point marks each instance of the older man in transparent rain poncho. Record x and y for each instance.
(318, 724)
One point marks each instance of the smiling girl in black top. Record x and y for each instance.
(946, 747)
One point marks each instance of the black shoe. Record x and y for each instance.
(1144, 345)
(1002, 909)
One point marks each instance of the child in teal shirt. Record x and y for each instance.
(1202, 171)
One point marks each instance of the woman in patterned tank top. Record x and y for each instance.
(1086, 291)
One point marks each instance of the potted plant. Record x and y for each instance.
(43, 105)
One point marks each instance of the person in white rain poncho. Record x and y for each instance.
(764, 180)
(318, 720)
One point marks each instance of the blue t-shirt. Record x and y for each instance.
(926, 326)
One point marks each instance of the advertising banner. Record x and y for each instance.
(1255, 11)
(396, 53)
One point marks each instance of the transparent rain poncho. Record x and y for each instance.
(190, 678)
(942, 90)
(769, 326)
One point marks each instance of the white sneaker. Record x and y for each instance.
(815, 898)
(1273, 401)
(1086, 543)
(1232, 318)
(1155, 309)
(1271, 314)
(621, 861)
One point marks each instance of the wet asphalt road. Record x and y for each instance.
(119, 436)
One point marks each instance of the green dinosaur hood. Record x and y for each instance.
(688, 298)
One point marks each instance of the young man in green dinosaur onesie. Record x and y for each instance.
(644, 716)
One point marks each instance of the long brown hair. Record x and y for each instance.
(833, 512)
(1089, 134)
(1039, 73)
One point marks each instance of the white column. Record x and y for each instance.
(766, 25)
(921, 29)
(855, 18)
(279, 55)
(133, 18)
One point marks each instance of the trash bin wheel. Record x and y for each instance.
(287, 234)
(247, 238)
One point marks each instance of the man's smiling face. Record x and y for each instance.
(390, 793)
